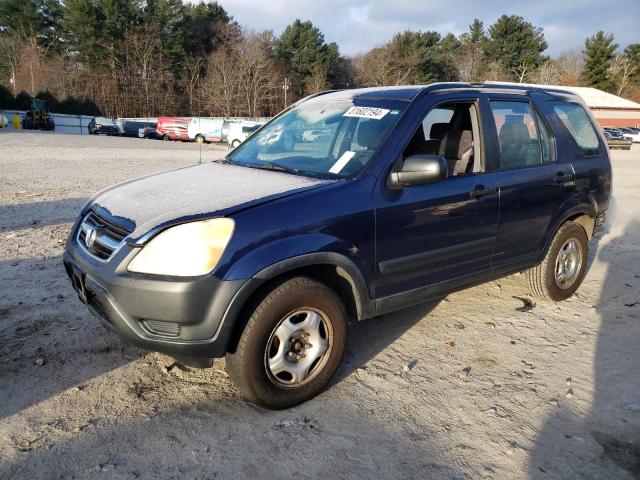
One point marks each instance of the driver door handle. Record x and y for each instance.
(481, 191)
(560, 177)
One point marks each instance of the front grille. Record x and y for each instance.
(99, 236)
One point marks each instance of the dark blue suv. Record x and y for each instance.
(353, 204)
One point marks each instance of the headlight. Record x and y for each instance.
(185, 250)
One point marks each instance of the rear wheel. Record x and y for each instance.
(165, 137)
(27, 123)
(291, 346)
(563, 268)
(199, 139)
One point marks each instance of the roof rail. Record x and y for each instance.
(444, 85)
(528, 87)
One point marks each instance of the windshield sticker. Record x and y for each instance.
(342, 162)
(366, 112)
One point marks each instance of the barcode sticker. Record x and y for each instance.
(342, 162)
(366, 112)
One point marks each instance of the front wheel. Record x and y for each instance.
(235, 144)
(291, 346)
(563, 268)
(199, 139)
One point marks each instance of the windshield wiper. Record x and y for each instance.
(274, 167)
(277, 167)
(224, 160)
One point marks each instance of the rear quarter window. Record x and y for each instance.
(579, 125)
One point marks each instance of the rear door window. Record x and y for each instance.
(518, 135)
(577, 122)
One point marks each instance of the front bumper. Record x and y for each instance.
(183, 317)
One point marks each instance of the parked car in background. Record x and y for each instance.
(617, 141)
(239, 132)
(131, 128)
(173, 128)
(415, 192)
(204, 130)
(103, 126)
(615, 132)
(150, 132)
(632, 133)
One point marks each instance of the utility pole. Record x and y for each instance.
(285, 87)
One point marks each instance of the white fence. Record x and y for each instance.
(77, 124)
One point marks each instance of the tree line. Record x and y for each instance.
(169, 57)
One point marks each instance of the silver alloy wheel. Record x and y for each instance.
(568, 263)
(298, 347)
(199, 139)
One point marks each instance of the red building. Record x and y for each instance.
(610, 110)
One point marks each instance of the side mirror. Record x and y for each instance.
(418, 170)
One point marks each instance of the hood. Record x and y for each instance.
(211, 188)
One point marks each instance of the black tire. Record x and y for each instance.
(165, 137)
(199, 139)
(542, 278)
(27, 123)
(235, 144)
(248, 365)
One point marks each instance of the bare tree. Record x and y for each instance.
(317, 82)
(495, 71)
(469, 61)
(383, 66)
(222, 82)
(259, 79)
(622, 69)
(141, 51)
(546, 74)
(570, 66)
(12, 45)
(193, 67)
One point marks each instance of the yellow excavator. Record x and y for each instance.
(37, 117)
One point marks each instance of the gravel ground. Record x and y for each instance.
(483, 384)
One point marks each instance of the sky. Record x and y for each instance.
(359, 25)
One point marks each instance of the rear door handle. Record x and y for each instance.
(481, 191)
(559, 178)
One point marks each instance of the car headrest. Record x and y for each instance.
(368, 134)
(456, 143)
(513, 134)
(438, 131)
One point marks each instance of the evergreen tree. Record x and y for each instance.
(419, 49)
(82, 21)
(476, 34)
(516, 45)
(200, 28)
(447, 52)
(632, 52)
(22, 17)
(470, 59)
(599, 51)
(303, 52)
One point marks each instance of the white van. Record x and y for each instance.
(239, 132)
(205, 129)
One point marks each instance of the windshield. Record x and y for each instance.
(321, 138)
